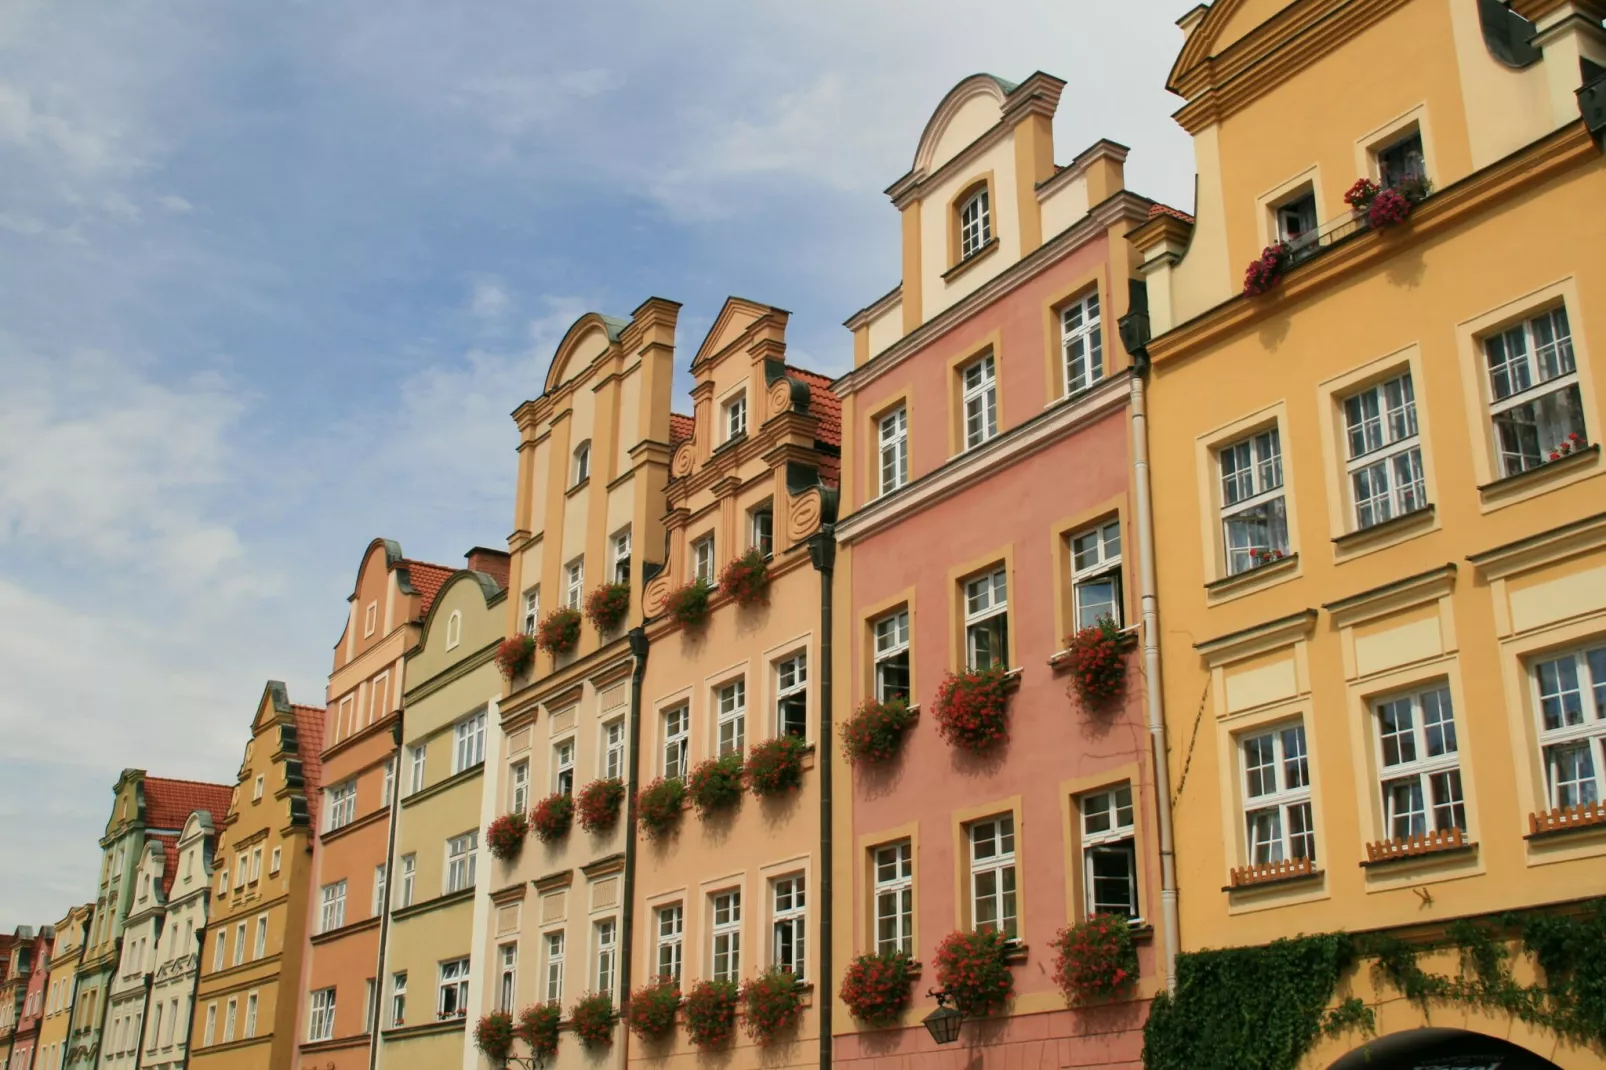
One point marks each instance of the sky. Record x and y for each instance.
(274, 276)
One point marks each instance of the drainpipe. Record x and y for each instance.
(374, 1016)
(1135, 336)
(822, 551)
(627, 918)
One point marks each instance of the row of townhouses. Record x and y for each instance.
(1178, 641)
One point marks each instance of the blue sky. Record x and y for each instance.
(274, 276)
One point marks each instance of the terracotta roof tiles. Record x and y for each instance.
(309, 738)
(169, 803)
(823, 404)
(681, 429)
(1158, 209)
(169, 860)
(427, 580)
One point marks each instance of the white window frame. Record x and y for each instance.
(736, 417)
(409, 872)
(792, 696)
(398, 998)
(250, 1014)
(454, 630)
(381, 879)
(987, 616)
(1421, 792)
(553, 944)
(605, 933)
(702, 551)
(677, 741)
(730, 704)
(582, 464)
(1383, 465)
(975, 223)
(994, 881)
(1082, 343)
(321, 1015)
(575, 583)
(507, 977)
(210, 1034)
(671, 943)
(419, 758)
(460, 855)
(256, 865)
(1284, 803)
(893, 432)
(979, 383)
(451, 991)
(532, 609)
(379, 696)
(563, 766)
(1096, 562)
(260, 943)
(789, 925)
(1251, 479)
(370, 619)
(1109, 830)
(340, 805)
(613, 749)
(256, 788)
(894, 865)
(620, 544)
(761, 529)
(231, 1013)
(1526, 382)
(1577, 682)
(891, 637)
(521, 786)
(220, 950)
(387, 793)
(468, 742)
(331, 910)
(725, 931)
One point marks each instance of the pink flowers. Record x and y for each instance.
(1095, 960)
(970, 965)
(972, 709)
(1267, 270)
(1098, 669)
(876, 987)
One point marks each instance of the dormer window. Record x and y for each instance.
(736, 417)
(582, 464)
(1402, 162)
(975, 223)
(1296, 223)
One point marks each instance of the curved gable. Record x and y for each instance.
(970, 109)
(587, 339)
(735, 317)
(472, 595)
(1224, 24)
(448, 599)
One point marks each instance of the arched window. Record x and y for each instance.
(975, 222)
(454, 629)
(582, 463)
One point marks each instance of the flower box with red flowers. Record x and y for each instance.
(607, 606)
(688, 605)
(538, 1027)
(504, 837)
(747, 579)
(772, 1004)
(775, 766)
(973, 968)
(652, 1009)
(1096, 658)
(559, 632)
(1095, 960)
(716, 785)
(552, 817)
(711, 1013)
(592, 1019)
(515, 655)
(493, 1035)
(1573, 443)
(876, 730)
(598, 804)
(877, 988)
(1266, 270)
(659, 806)
(972, 708)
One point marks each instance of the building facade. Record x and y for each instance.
(1375, 456)
(128, 997)
(987, 516)
(244, 1012)
(729, 894)
(339, 990)
(594, 453)
(448, 711)
(22, 996)
(185, 883)
(67, 949)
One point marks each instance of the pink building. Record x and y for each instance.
(985, 518)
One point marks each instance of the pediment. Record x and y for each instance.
(737, 315)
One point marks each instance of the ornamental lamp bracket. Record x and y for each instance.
(944, 1022)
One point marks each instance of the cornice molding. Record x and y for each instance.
(344, 931)
(429, 906)
(1400, 594)
(1565, 540)
(1257, 638)
(464, 776)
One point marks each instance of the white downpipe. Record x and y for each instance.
(1151, 673)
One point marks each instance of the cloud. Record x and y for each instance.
(175, 204)
(76, 143)
(489, 299)
(517, 104)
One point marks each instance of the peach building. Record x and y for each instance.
(727, 895)
(67, 949)
(986, 515)
(339, 987)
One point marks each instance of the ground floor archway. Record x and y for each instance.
(1441, 1049)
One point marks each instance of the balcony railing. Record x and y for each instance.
(1266, 872)
(1413, 846)
(1563, 818)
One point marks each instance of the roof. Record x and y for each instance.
(1158, 209)
(169, 861)
(309, 739)
(427, 580)
(681, 429)
(823, 404)
(169, 803)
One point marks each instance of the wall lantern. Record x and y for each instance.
(943, 1023)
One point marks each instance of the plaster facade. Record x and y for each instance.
(184, 882)
(68, 948)
(22, 996)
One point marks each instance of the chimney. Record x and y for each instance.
(494, 563)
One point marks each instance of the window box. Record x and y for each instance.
(1431, 843)
(1128, 640)
(1567, 819)
(1290, 869)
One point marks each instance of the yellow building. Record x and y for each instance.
(70, 932)
(1382, 559)
(451, 701)
(245, 1001)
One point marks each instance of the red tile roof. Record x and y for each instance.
(309, 738)
(427, 580)
(169, 860)
(681, 429)
(823, 404)
(1158, 209)
(169, 803)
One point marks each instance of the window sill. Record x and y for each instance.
(1015, 952)
(1252, 578)
(734, 440)
(1266, 874)
(577, 487)
(1417, 848)
(1551, 471)
(1363, 538)
(1563, 820)
(987, 249)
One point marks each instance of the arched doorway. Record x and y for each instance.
(1441, 1049)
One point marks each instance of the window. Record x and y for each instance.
(790, 923)
(521, 787)
(676, 742)
(415, 781)
(621, 557)
(732, 717)
(563, 767)
(229, 1014)
(1277, 813)
(575, 588)
(379, 697)
(243, 861)
(613, 750)
(451, 1000)
(1081, 339)
(378, 904)
(894, 432)
(975, 223)
(1420, 765)
(532, 610)
(345, 720)
(211, 1024)
(460, 861)
(273, 860)
(409, 866)
(607, 941)
(321, 1020)
(736, 417)
(333, 913)
(398, 998)
(582, 464)
(1402, 161)
(892, 657)
(256, 789)
(671, 928)
(791, 697)
(219, 949)
(387, 793)
(992, 875)
(1385, 455)
(1109, 853)
(1296, 224)
(507, 984)
(1533, 383)
(368, 1005)
(702, 552)
(454, 629)
(987, 621)
(156, 1027)
(1096, 575)
(370, 619)
(1572, 724)
(469, 740)
(1254, 517)
(981, 402)
(554, 967)
(761, 530)
(728, 935)
(256, 864)
(262, 936)
(239, 943)
(250, 1014)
